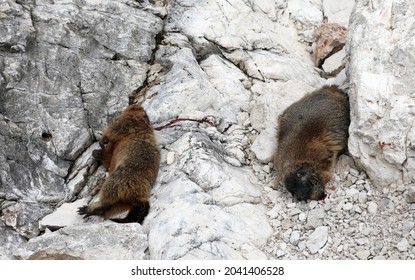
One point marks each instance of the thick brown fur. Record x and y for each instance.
(312, 132)
(130, 151)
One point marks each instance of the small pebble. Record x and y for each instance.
(348, 206)
(363, 255)
(372, 207)
(170, 158)
(402, 245)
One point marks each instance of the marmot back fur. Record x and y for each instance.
(130, 151)
(312, 132)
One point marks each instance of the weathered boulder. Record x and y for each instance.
(381, 71)
(101, 241)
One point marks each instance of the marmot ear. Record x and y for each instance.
(138, 96)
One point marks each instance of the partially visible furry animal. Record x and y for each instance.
(311, 134)
(131, 153)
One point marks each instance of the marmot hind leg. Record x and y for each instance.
(136, 214)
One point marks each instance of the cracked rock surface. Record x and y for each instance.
(217, 74)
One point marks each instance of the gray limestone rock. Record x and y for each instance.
(101, 241)
(66, 69)
(217, 75)
(381, 72)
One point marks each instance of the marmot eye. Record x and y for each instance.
(105, 141)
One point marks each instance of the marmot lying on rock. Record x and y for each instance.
(311, 133)
(130, 151)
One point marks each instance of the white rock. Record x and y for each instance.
(307, 15)
(402, 245)
(407, 226)
(170, 157)
(382, 105)
(363, 255)
(315, 218)
(286, 224)
(295, 238)
(348, 206)
(264, 145)
(372, 207)
(96, 241)
(335, 62)
(251, 252)
(280, 253)
(362, 198)
(338, 11)
(317, 239)
(65, 215)
(302, 216)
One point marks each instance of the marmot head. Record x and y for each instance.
(305, 183)
(137, 112)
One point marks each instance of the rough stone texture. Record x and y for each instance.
(65, 215)
(56, 94)
(335, 63)
(338, 11)
(9, 241)
(330, 38)
(101, 241)
(218, 74)
(317, 239)
(381, 71)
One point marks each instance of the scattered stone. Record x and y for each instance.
(315, 218)
(402, 245)
(280, 253)
(302, 216)
(363, 255)
(362, 198)
(330, 38)
(372, 207)
(286, 224)
(317, 239)
(295, 238)
(357, 209)
(407, 226)
(264, 145)
(170, 157)
(348, 206)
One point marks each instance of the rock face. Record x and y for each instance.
(126, 241)
(381, 71)
(216, 75)
(56, 95)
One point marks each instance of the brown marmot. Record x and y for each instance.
(311, 133)
(131, 153)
